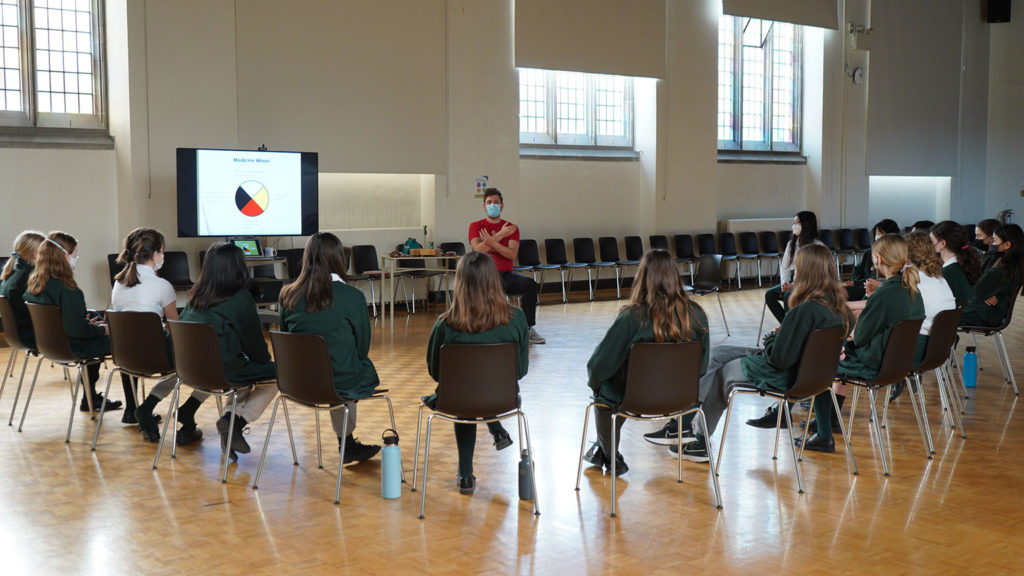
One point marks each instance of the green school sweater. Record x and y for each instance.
(994, 282)
(890, 304)
(957, 280)
(13, 288)
(515, 331)
(87, 340)
(242, 347)
(776, 366)
(864, 271)
(345, 326)
(609, 364)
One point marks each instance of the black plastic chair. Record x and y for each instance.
(113, 267)
(662, 383)
(293, 261)
(749, 251)
(463, 398)
(897, 363)
(17, 345)
(175, 270)
(996, 333)
(459, 249)
(658, 242)
(819, 360)
(727, 248)
(583, 251)
(609, 248)
(366, 266)
(426, 275)
(770, 249)
(862, 238)
(555, 250)
(845, 245)
(529, 255)
(305, 376)
(684, 252)
(706, 244)
(709, 277)
(634, 248)
(784, 237)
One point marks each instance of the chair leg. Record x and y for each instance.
(792, 447)
(760, 327)
(725, 430)
(1006, 358)
(266, 444)
(231, 433)
(614, 458)
(291, 439)
(373, 299)
(844, 431)
(561, 273)
(926, 428)
(712, 465)
(618, 292)
(720, 307)
(590, 284)
(853, 408)
(99, 423)
(872, 400)
(759, 273)
(394, 426)
(525, 425)
(17, 392)
(778, 430)
(583, 445)
(341, 457)
(8, 370)
(80, 382)
(416, 448)
(426, 460)
(319, 449)
(172, 413)
(942, 373)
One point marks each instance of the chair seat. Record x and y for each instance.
(548, 266)
(769, 254)
(984, 330)
(601, 264)
(729, 256)
(575, 265)
(355, 277)
(747, 256)
(522, 268)
(687, 259)
(425, 273)
(628, 263)
(182, 286)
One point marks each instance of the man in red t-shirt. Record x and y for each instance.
(500, 239)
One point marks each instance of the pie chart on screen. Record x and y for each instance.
(252, 198)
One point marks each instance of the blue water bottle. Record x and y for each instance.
(391, 466)
(970, 367)
(525, 483)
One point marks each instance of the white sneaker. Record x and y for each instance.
(536, 338)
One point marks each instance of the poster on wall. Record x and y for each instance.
(481, 185)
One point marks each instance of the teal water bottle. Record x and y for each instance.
(391, 466)
(525, 485)
(970, 367)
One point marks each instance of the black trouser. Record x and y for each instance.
(526, 288)
(776, 300)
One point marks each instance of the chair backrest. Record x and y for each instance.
(706, 244)
(726, 244)
(940, 340)
(709, 272)
(862, 238)
(478, 380)
(818, 362)
(51, 340)
(663, 377)
(555, 249)
(784, 237)
(634, 248)
(175, 269)
(748, 243)
(529, 253)
(304, 371)
(609, 248)
(137, 342)
(844, 239)
(197, 355)
(769, 242)
(1014, 292)
(825, 235)
(684, 246)
(898, 356)
(364, 258)
(460, 250)
(113, 266)
(10, 325)
(583, 250)
(658, 242)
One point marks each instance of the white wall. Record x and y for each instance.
(908, 199)
(1005, 173)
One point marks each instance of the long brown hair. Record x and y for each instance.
(324, 254)
(478, 303)
(25, 247)
(658, 292)
(140, 246)
(922, 254)
(959, 244)
(817, 281)
(892, 251)
(223, 275)
(52, 263)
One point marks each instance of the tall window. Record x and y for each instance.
(575, 109)
(758, 85)
(51, 64)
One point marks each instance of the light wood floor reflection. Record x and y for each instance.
(64, 509)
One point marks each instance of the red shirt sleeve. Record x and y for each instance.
(474, 231)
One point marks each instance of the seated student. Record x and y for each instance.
(864, 279)
(817, 301)
(219, 298)
(805, 232)
(15, 281)
(320, 302)
(895, 300)
(983, 232)
(137, 288)
(659, 311)
(53, 282)
(995, 290)
(922, 226)
(961, 266)
(479, 314)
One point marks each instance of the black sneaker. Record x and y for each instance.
(694, 452)
(501, 439)
(98, 404)
(668, 436)
(620, 465)
(356, 451)
(818, 444)
(769, 420)
(897, 390)
(188, 435)
(238, 443)
(132, 417)
(595, 456)
(150, 435)
(467, 484)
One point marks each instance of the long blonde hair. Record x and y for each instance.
(52, 264)
(817, 281)
(892, 251)
(478, 302)
(658, 291)
(25, 247)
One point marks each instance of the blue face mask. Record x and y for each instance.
(493, 210)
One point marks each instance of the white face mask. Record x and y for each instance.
(73, 261)
(158, 261)
(797, 229)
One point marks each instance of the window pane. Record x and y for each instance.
(783, 83)
(10, 56)
(726, 67)
(610, 96)
(66, 31)
(533, 100)
(572, 102)
(753, 94)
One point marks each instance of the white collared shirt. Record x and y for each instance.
(950, 261)
(336, 278)
(937, 296)
(151, 294)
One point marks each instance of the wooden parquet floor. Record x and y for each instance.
(66, 510)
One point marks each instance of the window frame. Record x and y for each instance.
(737, 143)
(550, 138)
(29, 118)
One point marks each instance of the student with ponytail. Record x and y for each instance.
(995, 290)
(983, 234)
(805, 233)
(53, 282)
(15, 280)
(961, 265)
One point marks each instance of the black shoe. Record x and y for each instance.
(356, 451)
(818, 444)
(768, 421)
(595, 456)
(897, 390)
(668, 436)
(467, 484)
(150, 435)
(501, 439)
(238, 443)
(98, 404)
(620, 465)
(694, 452)
(187, 435)
(132, 417)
